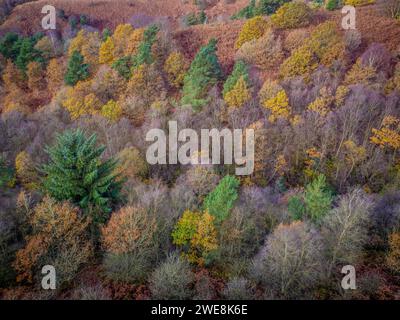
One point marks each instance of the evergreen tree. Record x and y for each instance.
(220, 201)
(27, 53)
(204, 72)
(144, 54)
(76, 173)
(77, 70)
(239, 70)
(318, 198)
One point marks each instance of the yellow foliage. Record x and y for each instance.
(253, 28)
(359, 74)
(301, 62)
(106, 53)
(134, 41)
(321, 105)
(111, 110)
(324, 46)
(25, 171)
(239, 94)
(54, 75)
(341, 95)
(292, 15)
(197, 231)
(81, 101)
(280, 165)
(356, 3)
(388, 135)
(88, 45)
(279, 106)
(394, 82)
(176, 66)
(269, 89)
(121, 38)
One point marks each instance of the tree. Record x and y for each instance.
(239, 94)
(112, 110)
(290, 263)
(55, 75)
(36, 76)
(239, 70)
(292, 15)
(106, 53)
(196, 234)
(220, 201)
(203, 73)
(252, 29)
(318, 198)
(76, 173)
(176, 66)
(172, 280)
(265, 52)
(279, 106)
(77, 70)
(130, 242)
(132, 164)
(59, 238)
(27, 53)
(80, 100)
(345, 229)
(25, 171)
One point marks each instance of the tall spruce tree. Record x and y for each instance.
(77, 70)
(220, 201)
(204, 72)
(76, 173)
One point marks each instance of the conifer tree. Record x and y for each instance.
(204, 72)
(77, 70)
(220, 201)
(239, 70)
(76, 173)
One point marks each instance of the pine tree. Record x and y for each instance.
(76, 173)
(239, 70)
(204, 72)
(220, 201)
(318, 198)
(77, 70)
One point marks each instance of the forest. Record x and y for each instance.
(78, 194)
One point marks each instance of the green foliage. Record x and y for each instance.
(318, 198)
(204, 72)
(239, 70)
(220, 201)
(296, 208)
(332, 4)
(10, 45)
(106, 34)
(263, 7)
(76, 173)
(77, 70)
(124, 67)
(192, 19)
(21, 50)
(83, 19)
(6, 174)
(144, 54)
